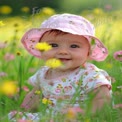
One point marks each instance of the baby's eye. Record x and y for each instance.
(74, 46)
(54, 45)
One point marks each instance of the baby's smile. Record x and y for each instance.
(64, 59)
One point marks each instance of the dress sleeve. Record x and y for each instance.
(33, 80)
(95, 79)
(38, 77)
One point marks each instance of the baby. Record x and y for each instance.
(74, 44)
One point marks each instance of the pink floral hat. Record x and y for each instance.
(70, 23)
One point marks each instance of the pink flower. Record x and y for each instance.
(118, 106)
(77, 109)
(73, 110)
(3, 74)
(118, 55)
(51, 120)
(3, 45)
(31, 70)
(25, 88)
(9, 56)
(108, 7)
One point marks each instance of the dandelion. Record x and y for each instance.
(8, 88)
(37, 92)
(109, 65)
(50, 102)
(15, 24)
(18, 53)
(43, 46)
(53, 63)
(48, 11)
(5, 9)
(98, 11)
(25, 9)
(87, 120)
(118, 55)
(71, 114)
(1, 23)
(44, 100)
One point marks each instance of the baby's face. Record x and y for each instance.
(71, 49)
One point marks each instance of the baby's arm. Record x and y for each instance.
(102, 97)
(31, 100)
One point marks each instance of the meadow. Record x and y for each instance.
(16, 65)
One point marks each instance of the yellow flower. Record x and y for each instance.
(50, 102)
(71, 114)
(48, 11)
(1, 23)
(5, 9)
(87, 120)
(18, 53)
(98, 11)
(8, 88)
(37, 92)
(109, 65)
(43, 46)
(44, 100)
(53, 63)
(25, 9)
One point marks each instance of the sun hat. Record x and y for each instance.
(70, 23)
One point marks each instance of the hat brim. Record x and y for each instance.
(98, 51)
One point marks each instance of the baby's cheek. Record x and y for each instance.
(45, 56)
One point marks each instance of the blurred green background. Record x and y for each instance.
(71, 6)
(17, 16)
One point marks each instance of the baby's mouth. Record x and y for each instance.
(64, 59)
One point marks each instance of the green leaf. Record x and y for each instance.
(92, 41)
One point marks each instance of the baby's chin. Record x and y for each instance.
(64, 68)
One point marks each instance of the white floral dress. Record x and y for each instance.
(80, 82)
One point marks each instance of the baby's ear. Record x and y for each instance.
(89, 52)
(89, 55)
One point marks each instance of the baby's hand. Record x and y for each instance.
(31, 100)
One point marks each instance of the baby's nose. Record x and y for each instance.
(63, 51)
